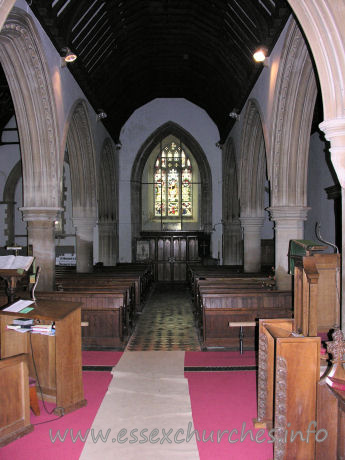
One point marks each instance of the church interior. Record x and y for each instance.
(171, 228)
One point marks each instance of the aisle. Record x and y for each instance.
(167, 321)
(146, 412)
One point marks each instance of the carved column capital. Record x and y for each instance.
(334, 130)
(252, 223)
(286, 217)
(84, 222)
(40, 213)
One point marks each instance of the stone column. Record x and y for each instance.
(107, 243)
(41, 235)
(288, 225)
(252, 243)
(84, 243)
(335, 133)
(233, 245)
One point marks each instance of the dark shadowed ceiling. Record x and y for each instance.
(132, 51)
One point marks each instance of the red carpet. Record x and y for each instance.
(101, 358)
(226, 401)
(220, 401)
(192, 358)
(38, 445)
(219, 358)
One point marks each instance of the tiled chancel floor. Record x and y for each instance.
(167, 321)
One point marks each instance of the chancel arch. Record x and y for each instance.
(171, 193)
(81, 158)
(232, 232)
(24, 64)
(107, 205)
(293, 109)
(252, 186)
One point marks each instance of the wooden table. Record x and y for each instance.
(57, 359)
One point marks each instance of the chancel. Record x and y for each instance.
(168, 186)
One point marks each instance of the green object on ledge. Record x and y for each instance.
(302, 248)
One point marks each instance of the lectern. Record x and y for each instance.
(57, 359)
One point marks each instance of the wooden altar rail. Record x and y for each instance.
(221, 308)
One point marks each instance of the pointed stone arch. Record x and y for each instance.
(24, 64)
(252, 186)
(294, 101)
(232, 233)
(108, 205)
(293, 109)
(253, 163)
(141, 159)
(81, 157)
(29, 81)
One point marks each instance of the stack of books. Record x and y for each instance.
(21, 324)
(23, 321)
(46, 329)
(26, 325)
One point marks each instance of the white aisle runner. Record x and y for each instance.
(146, 412)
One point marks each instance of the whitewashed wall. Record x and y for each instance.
(9, 157)
(319, 178)
(137, 129)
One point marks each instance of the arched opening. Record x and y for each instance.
(81, 158)
(171, 221)
(107, 206)
(252, 187)
(232, 233)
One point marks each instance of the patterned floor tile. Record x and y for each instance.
(167, 321)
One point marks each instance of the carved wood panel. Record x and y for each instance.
(169, 253)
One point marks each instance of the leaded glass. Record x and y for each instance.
(173, 186)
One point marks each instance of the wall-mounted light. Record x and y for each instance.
(260, 55)
(101, 114)
(118, 145)
(234, 114)
(67, 56)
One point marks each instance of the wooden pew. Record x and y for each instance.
(141, 278)
(220, 308)
(226, 283)
(86, 284)
(105, 313)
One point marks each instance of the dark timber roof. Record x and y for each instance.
(132, 51)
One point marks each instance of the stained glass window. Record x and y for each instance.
(173, 183)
